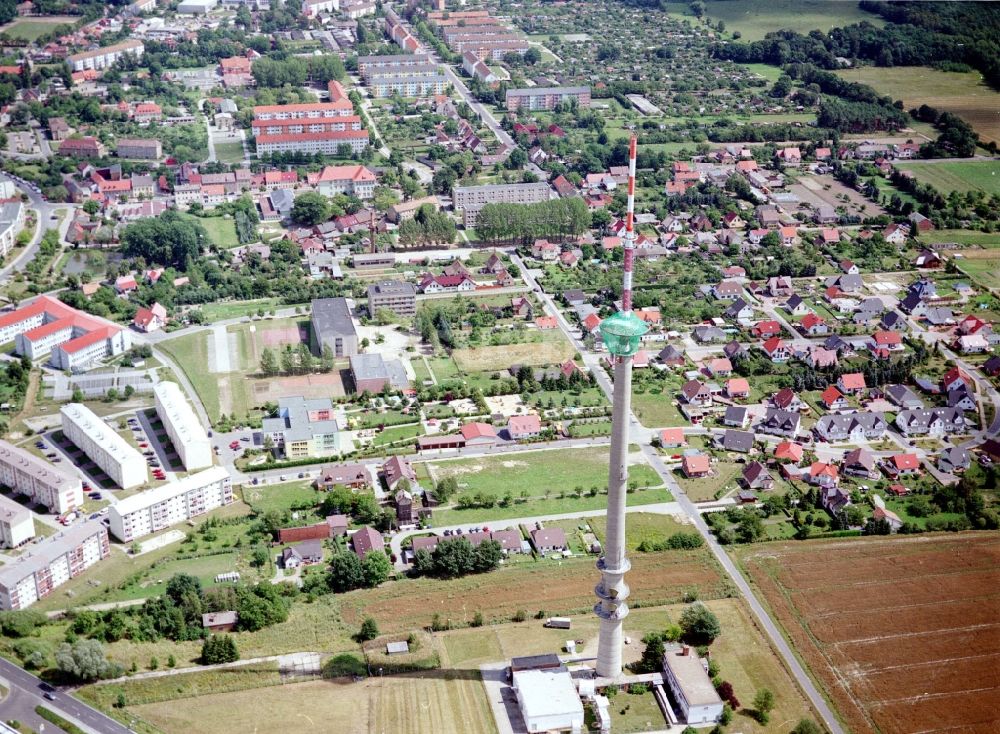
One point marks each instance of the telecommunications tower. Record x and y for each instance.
(621, 333)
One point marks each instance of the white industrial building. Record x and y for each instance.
(103, 446)
(169, 504)
(185, 431)
(34, 477)
(52, 563)
(548, 700)
(16, 524)
(691, 687)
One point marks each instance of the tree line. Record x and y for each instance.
(524, 223)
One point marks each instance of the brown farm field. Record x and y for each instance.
(554, 350)
(964, 94)
(902, 632)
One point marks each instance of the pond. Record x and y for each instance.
(88, 261)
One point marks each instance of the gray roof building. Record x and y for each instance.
(332, 326)
(373, 373)
(395, 295)
(741, 441)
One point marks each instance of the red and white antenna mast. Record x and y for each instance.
(628, 243)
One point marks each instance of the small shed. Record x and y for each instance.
(397, 648)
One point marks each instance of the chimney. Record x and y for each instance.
(685, 651)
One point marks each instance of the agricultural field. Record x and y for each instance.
(412, 703)
(959, 176)
(962, 93)
(900, 631)
(755, 18)
(981, 266)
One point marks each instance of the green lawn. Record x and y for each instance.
(771, 73)
(398, 433)
(191, 354)
(723, 479)
(755, 18)
(553, 471)
(221, 231)
(636, 712)
(281, 497)
(967, 237)
(541, 507)
(229, 151)
(984, 271)
(957, 176)
(31, 30)
(657, 410)
(224, 310)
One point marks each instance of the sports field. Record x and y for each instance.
(901, 632)
(755, 18)
(964, 94)
(958, 176)
(30, 29)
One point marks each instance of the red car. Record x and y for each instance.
(234, 445)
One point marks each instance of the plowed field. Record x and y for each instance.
(904, 633)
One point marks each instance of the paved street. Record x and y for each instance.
(26, 693)
(47, 219)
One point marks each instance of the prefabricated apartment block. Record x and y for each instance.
(34, 477)
(155, 509)
(103, 446)
(185, 430)
(52, 563)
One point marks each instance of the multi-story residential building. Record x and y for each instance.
(16, 525)
(169, 504)
(186, 194)
(355, 181)
(333, 327)
(185, 430)
(368, 63)
(52, 563)
(34, 477)
(355, 9)
(85, 147)
(73, 339)
(312, 8)
(403, 70)
(103, 445)
(102, 58)
(476, 67)
(546, 98)
(494, 48)
(319, 127)
(470, 199)
(408, 86)
(11, 224)
(303, 428)
(396, 295)
(139, 148)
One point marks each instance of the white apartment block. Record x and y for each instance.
(16, 524)
(102, 58)
(327, 142)
(52, 563)
(11, 224)
(34, 477)
(470, 199)
(155, 509)
(103, 445)
(185, 430)
(310, 111)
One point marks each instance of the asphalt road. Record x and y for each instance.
(47, 220)
(26, 693)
